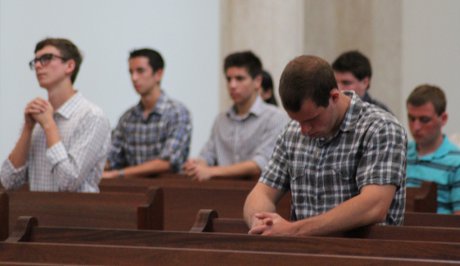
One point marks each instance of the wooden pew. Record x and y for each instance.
(4, 215)
(431, 219)
(122, 255)
(423, 199)
(208, 221)
(325, 246)
(183, 198)
(113, 210)
(177, 180)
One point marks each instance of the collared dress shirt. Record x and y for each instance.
(164, 134)
(441, 167)
(369, 148)
(252, 137)
(73, 164)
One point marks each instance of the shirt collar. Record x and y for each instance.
(159, 108)
(256, 109)
(443, 150)
(352, 114)
(70, 106)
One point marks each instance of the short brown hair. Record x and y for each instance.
(67, 49)
(428, 93)
(306, 77)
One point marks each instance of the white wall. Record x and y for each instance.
(431, 52)
(185, 32)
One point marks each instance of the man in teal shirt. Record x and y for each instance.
(431, 156)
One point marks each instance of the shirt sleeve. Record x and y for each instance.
(455, 191)
(177, 145)
(276, 173)
(384, 156)
(209, 152)
(12, 177)
(89, 143)
(273, 127)
(116, 156)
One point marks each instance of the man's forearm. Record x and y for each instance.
(18, 155)
(261, 199)
(369, 207)
(243, 169)
(148, 168)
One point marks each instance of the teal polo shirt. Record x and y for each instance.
(441, 167)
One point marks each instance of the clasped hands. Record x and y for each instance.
(39, 110)
(197, 170)
(271, 224)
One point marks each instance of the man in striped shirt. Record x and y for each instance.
(431, 156)
(242, 138)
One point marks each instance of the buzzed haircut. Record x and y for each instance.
(156, 61)
(426, 93)
(306, 77)
(68, 50)
(246, 59)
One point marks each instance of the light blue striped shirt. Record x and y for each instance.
(441, 167)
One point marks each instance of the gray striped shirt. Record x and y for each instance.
(252, 137)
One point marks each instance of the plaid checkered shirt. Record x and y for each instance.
(369, 148)
(165, 134)
(73, 164)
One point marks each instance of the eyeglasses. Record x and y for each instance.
(44, 60)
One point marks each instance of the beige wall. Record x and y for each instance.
(370, 26)
(272, 29)
(280, 30)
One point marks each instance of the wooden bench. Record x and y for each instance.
(122, 255)
(183, 198)
(4, 215)
(113, 210)
(431, 219)
(423, 199)
(208, 221)
(28, 231)
(177, 180)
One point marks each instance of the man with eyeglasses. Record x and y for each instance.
(64, 141)
(431, 156)
(154, 135)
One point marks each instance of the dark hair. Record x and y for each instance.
(306, 77)
(155, 60)
(68, 50)
(428, 93)
(354, 62)
(267, 85)
(245, 59)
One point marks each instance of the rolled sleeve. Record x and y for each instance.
(57, 153)
(178, 143)
(12, 177)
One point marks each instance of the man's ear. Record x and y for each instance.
(258, 81)
(70, 66)
(444, 118)
(334, 94)
(158, 74)
(366, 82)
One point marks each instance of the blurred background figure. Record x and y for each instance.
(267, 92)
